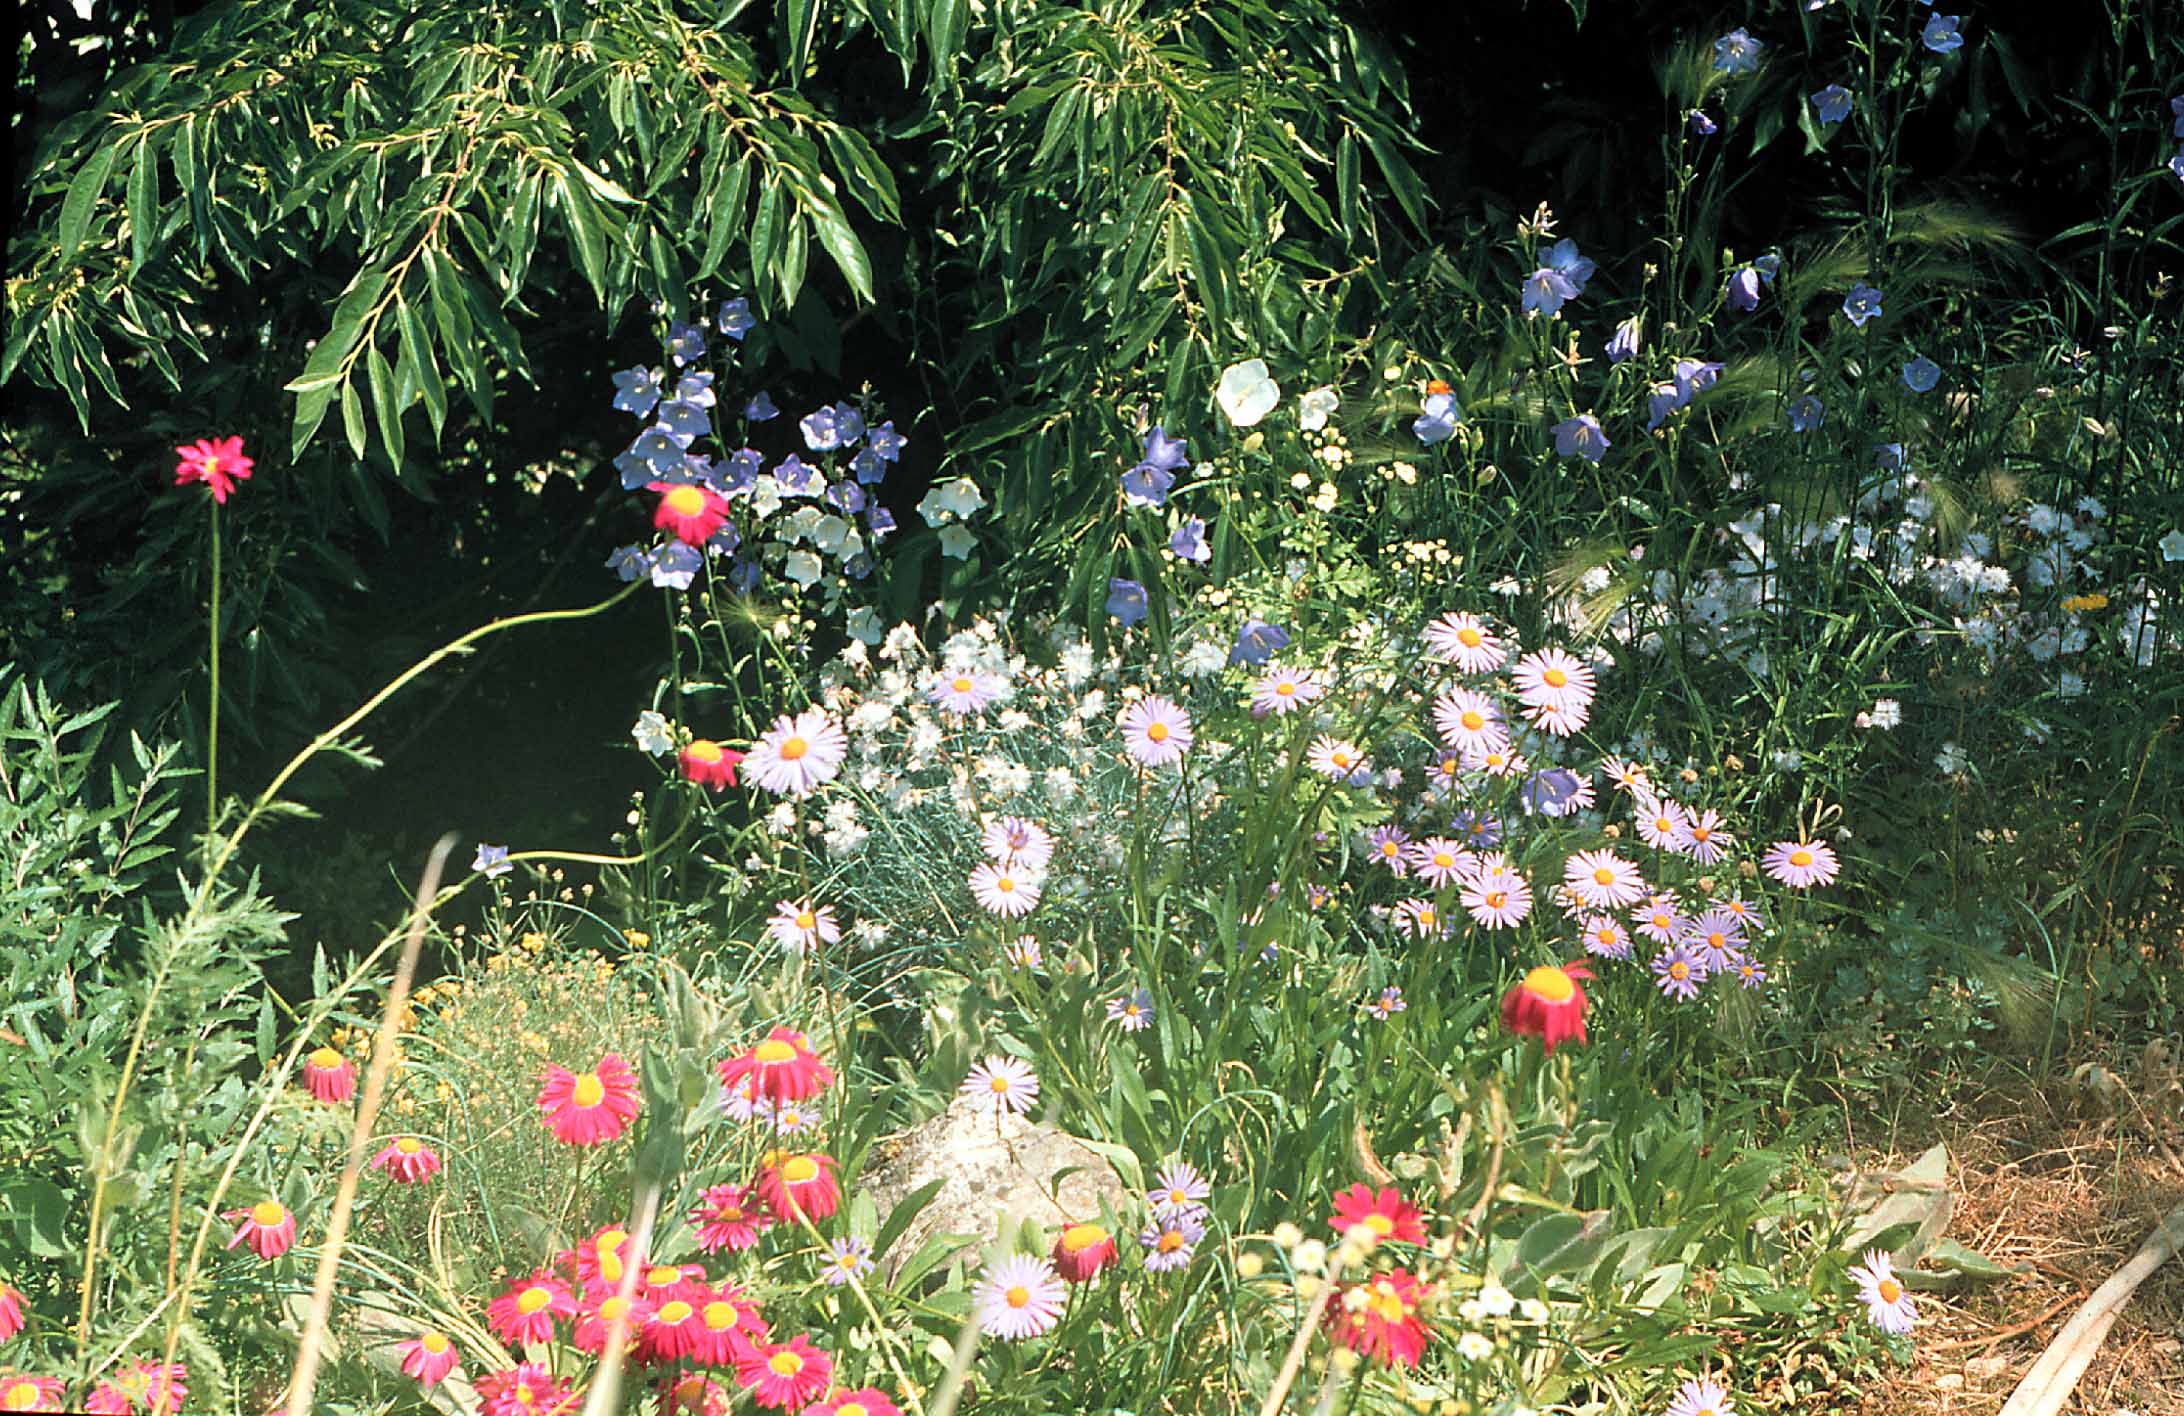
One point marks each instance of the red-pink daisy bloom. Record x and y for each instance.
(692, 1394)
(1081, 1251)
(789, 1181)
(11, 1311)
(526, 1309)
(782, 1068)
(1386, 1324)
(1603, 880)
(1548, 1003)
(863, 1401)
(267, 1227)
(428, 1357)
(690, 513)
(526, 1389)
(329, 1075)
(785, 1375)
(22, 1392)
(673, 1332)
(707, 763)
(407, 1160)
(1801, 864)
(603, 1258)
(162, 1390)
(1155, 732)
(218, 463)
(587, 1108)
(726, 1218)
(595, 1318)
(729, 1326)
(1466, 642)
(1385, 1212)
(665, 1281)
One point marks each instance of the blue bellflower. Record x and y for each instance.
(1126, 601)
(1164, 452)
(1189, 541)
(1942, 35)
(1861, 304)
(659, 448)
(1258, 642)
(1831, 105)
(637, 389)
(846, 497)
(1437, 424)
(885, 443)
(1744, 289)
(1662, 399)
(797, 477)
(848, 424)
(1624, 342)
(735, 318)
(1921, 374)
(880, 521)
(1702, 125)
(761, 408)
(724, 541)
(1147, 485)
(1889, 456)
(1581, 437)
(1805, 413)
(629, 562)
(697, 387)
(868, 467)
(674, 565)
(685, 343)
(686, 422)
(822, 430)
(1694, 376)
(1737, 53)
(491, 861)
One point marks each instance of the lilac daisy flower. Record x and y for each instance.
(1133, 1012)
(1023, 952)
(1169, 1243)
(1679, 972)
(1706, 840)
(1606, 937)
(1389, 846)
(1005, 890)
(1441, 862)
(1338, 759)
(963, 694)
(1887, 1304)
(847, 1258)
(1016, 842)
(1476, 829)
(1388, 1004)
(800, 927)
(1155, 732)
(1716, 937)
(1801, 864)
(1284, 690)
(1750, 971)
(1178, 1189)
(1465, 641)
(1701, 1398)
(797, 755)
(1660, 919)
(1001, 1085)
(1019, 1297)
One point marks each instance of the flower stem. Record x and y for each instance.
(212, 710)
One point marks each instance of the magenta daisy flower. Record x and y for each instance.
(1553, 678)
(1155, 732)
(799, 927)
(963, 694)
(1497, 897)
(1662, 824)
(1005, 890)
(1606, 937)
(1019, 1297)
(1338, 759)
(1440, 861)
(1469, 722)
(1679, 972)
(796, 755)
(1013, 841)
(1701, 1398)
(1661, 919)
(1002, 1084)
(1285, 690)
(1603, 880)
(1466, 642)
(1801, 864)
(1887, 1304)
(1705, 839)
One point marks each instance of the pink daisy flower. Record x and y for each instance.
(962, 694)
(526, 1389)
(797, 755)
(1497, 762)
(597, 1314)
(1705, 840)
(1887, 1304)
(782, 1068)
(1469, 722)
(329, 1076)
(1801, 864)
(428, 1357)
(1745, 911)
(1004, 890)
(1013, 841)
(730, 1324)
(1021, 1296)
(1661, 919)
(1626, 776)
(799, 927)
(267, 1227)
(407, 1160)
(1553, 678)
(1603, 880)
(673, 1331)
(587, 1108)
(218, 463)
(1497, 898)
(20, 1392)
(1444, 774)
(1155, 732)
(1717, 938)
(1466, 642)
(1701, 1398)
(526, 1309)
(692, 1394)
(159, 1387)
(864, 1401)
(1679, 972)
(1606, 937)
(785, 1375)
(1285, 690)
(1002, 1084)
(1440, 861)
(603, 1258)
(11, 1314)
(1339, 759)
(1419, 919)
(1662, 824)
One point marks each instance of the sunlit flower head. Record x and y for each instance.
(1441, 861)
(1170, 1241)
(708, 764)
(1465, 641)
(797, 755)
(688, 512)
(862, 1401)
(1497, 900)
(782, 1068)
(1389, 846)
(1388, 1004)
(1679, 971)
(1178, 1188)
(1706, 840)
(428, 1357)
(408, 1160)
(1801, 864)
(1004, 890)
(1699, 1397)
(1660, 918)
(789, 1181)
(526, 1389)
(1384, 1323)
(525, 1310)
(1550, 677)
(1603, 880)
(217, 462)
(964, 693)
(1019, 1297)
(603, 1258)
(1081, 1251)
(691, 1394)
(1887, 1303)
(1133, 1011)
(159, 1388)
(846, 1258)
(1002, 1085)
(1155, 732)
(1606, 938)
(1419, 919)
(1285, 690)
(800, 927)
(329, 1076)
(1469, 722)
(1662, 823)
(1017, 843)
(1548, 1003)
(20, 1391)
(588, 1108)
(1717, 937)
(1338, 759)
(1385, 1212)
(267, 1227)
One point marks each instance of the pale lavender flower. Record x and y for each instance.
(1679, 972)
(1133, 1012)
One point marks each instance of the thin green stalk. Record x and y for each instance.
(212, 711)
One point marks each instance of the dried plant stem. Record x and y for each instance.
(305, 1374)
(1294, 1362)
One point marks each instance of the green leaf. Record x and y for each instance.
(946, 22)
(143, 202)
(788, 267)
(1346, 184)
(352, 418)
(724, 216)
(863, 173)
(762, 235)
(800, 19)
(310, 412)
(417, 353)
(331, 357)
(588, 227)
(83, 196)
(905, 1210)
(848, 252)
(387, 403)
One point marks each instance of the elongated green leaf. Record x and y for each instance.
(332, 354)
(143, 201)
(763, 225)
(387, 402)
(352, 419)
(310, 412)
(588, 227)
(848, 252)
(788, 267)
(863, 173)
(724, 217)
(800, 22)
(83, 196)
(417, 353)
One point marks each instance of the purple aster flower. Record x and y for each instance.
(1744, 289)
(1581, 437)
(846, 496)
(637, 389)
(1941, 34)
(880, 520)
(629, 562)
(1388, 846)
(1170, 1242)
(1126, 601)
(685, 421)
(1178, 1189)
(1258, 642)
(1388, 1004)
(1624, 342)
(797, 477)
(1806, 413)
(1189, 541)
(1437, 423)
(1679, 972)
(1921, 374)
(735, 318)
(685, 343)
(1831, 105)
(1737, 53)
(1861, 304)
(1133, 1012)
(1704, 126)
(1147, 485)
(761, 408)
(1476, 829)
(674, 565)
(822, 430)
(885, 442)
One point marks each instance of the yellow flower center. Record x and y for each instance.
(719, 1317)
(1801, 858)
(267, 1213)
(1469, 637)
(409, 1145)
(1889, 1289)
(532, 1299)
(325, 1059)
(523, 1394)
(1717, 940)
(1386, 1304)
(433, 1342)
(1443, 859)
(1080, 1237)
(590, 1091)
(1380, 1224)
(662, 1276)
(1606, 938)
(1603, 876)
(794, 749)
(1550, 983)
(1495, 899)
(212, 465)
(1700, 833)
(1340, 759)
(799, 1170)
(961, 685)
(1170, 1240)
(774, 1050)
(1017, 1297)
(612, 1308)
(1679, 971)
(852, 1408)
(686, 501)
(785, 1364)
(1284, 689)
(1390, 849)
(998, 1085)
(1473, 719)
(704, 750)
(22, 1396)
(1555, 678)
(1004, 884)
(805, 919)
(1157, 732)
(675, 1312)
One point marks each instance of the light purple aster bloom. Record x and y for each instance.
(761, 408)
(1921, 374)
(846, 1258)
(1476, 829)
(1861, 304)
(1257, 641)
(1388, 846)
(1704, 126)
(735, 318)
(1679, 971)
(1169, 1243)
(637, 389)
(1737, 53)
(1581, 437)
(797, 477)
(1437, 424)
(821, 429)
(674, 565)
(685, 343)
(1126, 601)
(1133, 1012)
(1831, 105)
(1388, 1004)
(1942, 35)
(1179, 1189)
(1147, 485)
(1624, 342)
(629, 562)
(1744, 289)
(1806, 413)
(1189, 541)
